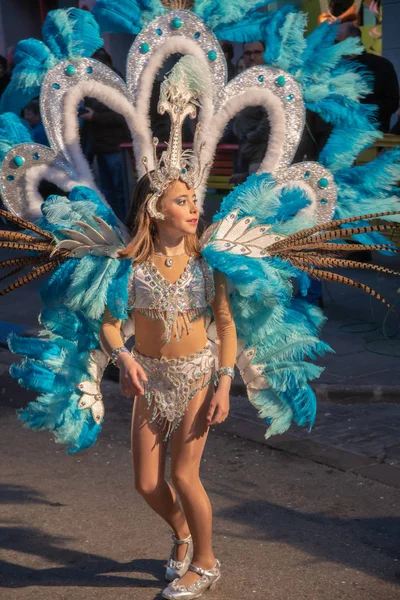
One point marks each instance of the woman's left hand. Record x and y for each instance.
(219, 407)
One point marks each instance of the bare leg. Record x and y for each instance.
(149, 456)
(187, 447)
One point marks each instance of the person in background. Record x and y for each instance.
(31, 114)
(385, 93)
(103, 132)
(4, 75)
(240, 65)
(227, 49)
(396, 127)
(251, 125)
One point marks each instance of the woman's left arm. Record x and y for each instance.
(226, 331)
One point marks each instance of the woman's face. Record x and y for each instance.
(178, 204)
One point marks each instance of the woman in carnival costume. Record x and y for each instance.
(186, 300)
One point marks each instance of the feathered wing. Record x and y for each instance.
(78, 239)
(262, 245)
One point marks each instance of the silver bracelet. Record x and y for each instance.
(115, 353)
(226, 371)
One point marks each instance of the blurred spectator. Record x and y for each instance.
(385, 93)
(31, 114)
(315, 135)
(251, 125)
(4, 75)
(396, 127)
(103, 132)
(227, 49)
(240, 65)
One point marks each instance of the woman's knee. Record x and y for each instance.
(148, 487)
(184, 477)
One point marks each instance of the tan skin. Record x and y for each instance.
(206, 408)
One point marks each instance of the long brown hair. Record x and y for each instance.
(143, 227)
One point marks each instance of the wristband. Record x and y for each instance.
(115, 353)
(226, 371)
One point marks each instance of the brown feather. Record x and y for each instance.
(25, 260)
(304, 233)
(25, 224)
(178, 4)
(335, 278)
(11, 273)
(31, 276)
(18, 236)
(335, 234)
(39, 246)
(332, 262)
(332, 247)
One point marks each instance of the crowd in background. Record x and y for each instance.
(103, 130)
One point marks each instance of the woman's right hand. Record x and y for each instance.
(130, 375)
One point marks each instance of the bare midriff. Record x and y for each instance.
(149, 337)
(150, 333)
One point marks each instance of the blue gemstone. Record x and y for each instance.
(280, 81)
(18, 161)
(197, 35)
(323, 182)
(183, 171)
(10, 177)
(331, 87)
(70, 70)
(212, 55)
(176, 23)
(290, 97)
(89, 70)
(56, 86)
(324, 201)
(144, 48)
(260, 78)
(307, 175)
(159, 31)
(36, 156)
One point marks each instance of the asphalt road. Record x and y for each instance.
(286, 528)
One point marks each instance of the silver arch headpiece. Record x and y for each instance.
(177, 31)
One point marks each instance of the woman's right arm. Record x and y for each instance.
(130, 371)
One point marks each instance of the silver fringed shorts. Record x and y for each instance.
(173, 382)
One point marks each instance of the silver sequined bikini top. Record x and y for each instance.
(155, 297)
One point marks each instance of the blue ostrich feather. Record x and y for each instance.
(60, 213)
(13, 131)
(71, 33)
(286, 42)
(117, 294)
(32, 60)
(126, 16)
(61, 322)
(215, 13)
(283, 330)
(75, 298)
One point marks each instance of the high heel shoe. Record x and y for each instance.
(208, 580)
(177, 568)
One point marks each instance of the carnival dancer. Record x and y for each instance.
(172, 372)
(154, 279)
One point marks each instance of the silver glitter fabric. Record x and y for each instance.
(69, 81)
(20, 161)
(173, 382)
(319, 185)
(91, 76)
(259, 84)
(162, 29)
(155, 297)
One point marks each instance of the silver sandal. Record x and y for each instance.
(208, 580)
(176, 568)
